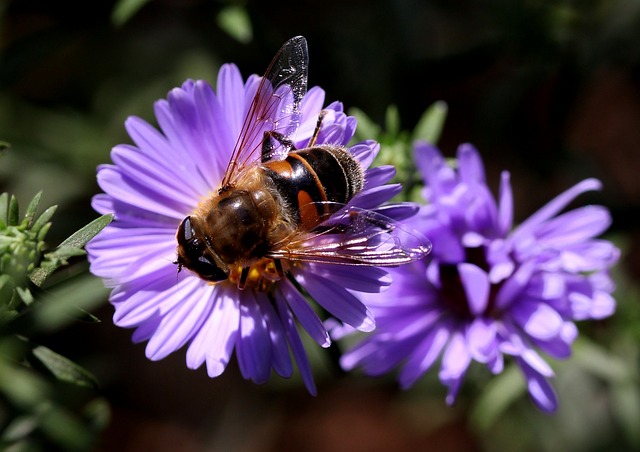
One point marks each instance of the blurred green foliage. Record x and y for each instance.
(33, 415)
(518, 79)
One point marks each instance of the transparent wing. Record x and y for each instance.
(355, 236)
(275, 106)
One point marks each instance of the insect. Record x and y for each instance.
(277, 205)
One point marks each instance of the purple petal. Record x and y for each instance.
(398, 211)
(280, 359)
(113, 249)
(216, 339)
(372, 198)
(297, 348)
(538, 320)
(424, 356)
(476, 287)
(555, 206)
(430, 163)
(124, 189)
(455, 361)
(470, 166)
(379, 175)
(304, 313)
(253, 348)
(361, 279)
(179, 325)
(166, 181)
(574, 226)
(481, 339)
(147, 297)
(365, 152)
(541, 392)
(337, 301)
(127, 215)
(505, 205)
(513, 286)
(230, 89)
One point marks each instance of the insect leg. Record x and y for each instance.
(279, 268)
(242, 281)
(314, 137)
(268, 145)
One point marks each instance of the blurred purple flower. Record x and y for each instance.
(152, 185)
(489, 289)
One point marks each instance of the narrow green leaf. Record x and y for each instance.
(63, 368)
(24, 388)
(20, 428)
(66, 302)
(4, 146)
(7, 286)
(498, 394)
(13, 212)
(98, 414)
(29, 216)
(626, 408)
(125, 10)
(4, 206)
(429, 127)
(40, 274)
(65, 252)
(44, 218)
(65, 429)
(235, 21)
(25, 295)
(392, 121)
(76, 241)
(367, 128)
(86, 317)
(80, 238)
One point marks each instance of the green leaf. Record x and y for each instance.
(29, 216)
(4, 199)
(80, 238)
(20, 428)
(43, 219)
(125, 10)
(77, 240)
(236, 22)
(498, 394)
(65, 252)
(392, 121)
(98, 414)
(65, 429)
(66, 302)
(7, 286)
(13, 212)
(429, 127)
(24, 388)
(25, 295)
(367, 129)
(63, 368)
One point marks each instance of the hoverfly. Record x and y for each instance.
(278, 205)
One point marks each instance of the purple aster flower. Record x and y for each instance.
(489, 289)
(161, 179)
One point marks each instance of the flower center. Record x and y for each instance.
(259, 276)
(452, 290)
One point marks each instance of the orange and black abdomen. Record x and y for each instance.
(322, 173)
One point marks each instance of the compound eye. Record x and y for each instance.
(186, 232)
(209, 270)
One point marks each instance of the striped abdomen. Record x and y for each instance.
(313, 175)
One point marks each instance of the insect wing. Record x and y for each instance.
(357, 237)
(275, 106)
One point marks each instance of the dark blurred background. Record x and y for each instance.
(547, 89)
